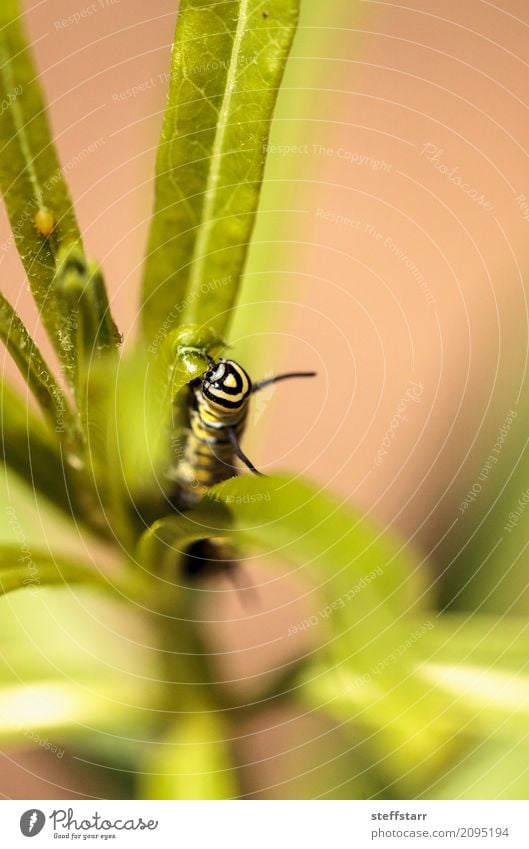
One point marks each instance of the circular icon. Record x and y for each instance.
(32, 822)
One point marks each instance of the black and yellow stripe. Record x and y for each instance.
(218, 408)
(217, 413)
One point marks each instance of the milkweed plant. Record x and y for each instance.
(418, 696)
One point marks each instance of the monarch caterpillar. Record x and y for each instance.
(217, 408)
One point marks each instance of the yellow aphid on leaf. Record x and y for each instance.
(44, 222)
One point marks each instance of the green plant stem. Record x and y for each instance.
(86, 329)
(31, 178)
(188, 681)
(34, 370)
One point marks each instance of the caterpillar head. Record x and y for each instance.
(226, 386)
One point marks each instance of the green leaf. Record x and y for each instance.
(477, 638)
(368, 583)
(494, 769)
(194, 762)
(228, 62)
(475, 696)
(27, 567)
(470, 675)
(349, 555)
(31, 178)
(354, 563)
(32, 450)
(483, 663)
(87, 330)
(162, 546)
(370, 618)
(74, 661)
(33, 368)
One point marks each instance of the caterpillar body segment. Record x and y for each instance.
(217, 413)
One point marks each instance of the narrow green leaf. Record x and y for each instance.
(494, 769)
(474, 697)
(33, 368)
(50, 467)
(23, 567)
(308, 526)
(484, 664)
(471, 677)
(162, 546)
(368, 583)
(31, 450)
(369, 586)
(478, 638)
(73, 660)
(349, 556)
(31, 179)
(70, 708)
(87, 331)
(195, 762)
(228, 62)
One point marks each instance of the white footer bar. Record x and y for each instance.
(265, 825)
